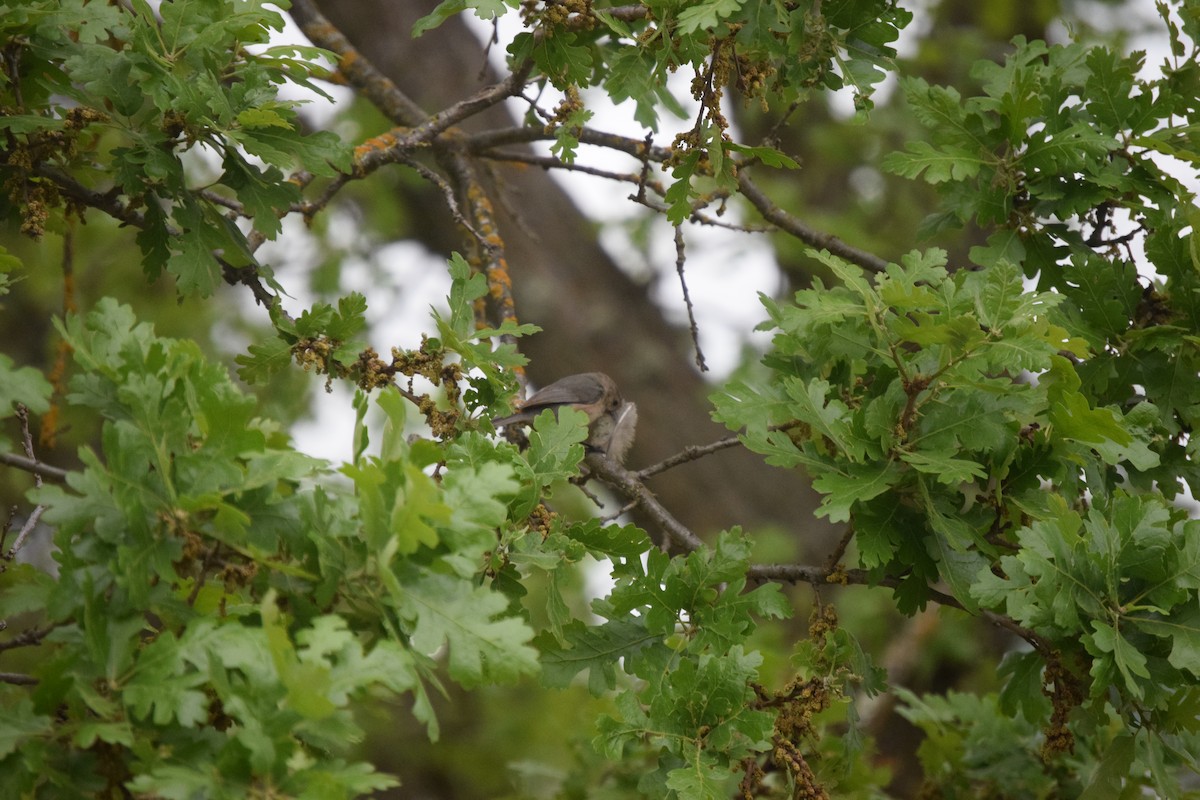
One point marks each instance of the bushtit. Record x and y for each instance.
(611, 420)
(612, 433)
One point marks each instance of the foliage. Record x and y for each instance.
(1010, 437)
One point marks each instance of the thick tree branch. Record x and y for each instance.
(486, 229)
(358, 71)
(417, 128)
(420, 130)
(109, 202)
(36, 467)
(627, 484)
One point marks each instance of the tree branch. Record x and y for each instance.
(797, 573)
(416, 127)
(358, 71)
(27, 638)
(109, 202)
(32, 521)
(33, 465)
(694, 452)
(551, 162)
(586, 21)
(810, 236)
(627, 484)
(485, 98)
(835, 556)
(637, 148)
(18, 679)
(486, 140)
(693, 327)
(687, 454)
(487, 233)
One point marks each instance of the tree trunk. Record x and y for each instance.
(593, 316)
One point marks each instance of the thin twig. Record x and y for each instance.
(640, 179)
(697, 216)
(810, 236)
(766, 207)
(588, 20)
(17, 678)
(644, 174)
(209, 559)
(547, 117)
(799, 573)
(486, 140)
(588, 493)
(27, 638)
(32, 521)
(835, 557)
(678, 535)
(26, 529)
(625, 509)
(483, 99)
(309, 209)
(690, 453)
(492, 41)
(552, 162)
(680, 259)
(447, 193)
(694, 452)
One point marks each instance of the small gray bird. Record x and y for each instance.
(611, 420)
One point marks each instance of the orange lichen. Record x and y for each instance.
(376, 144)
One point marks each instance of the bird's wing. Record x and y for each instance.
(584, 388)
